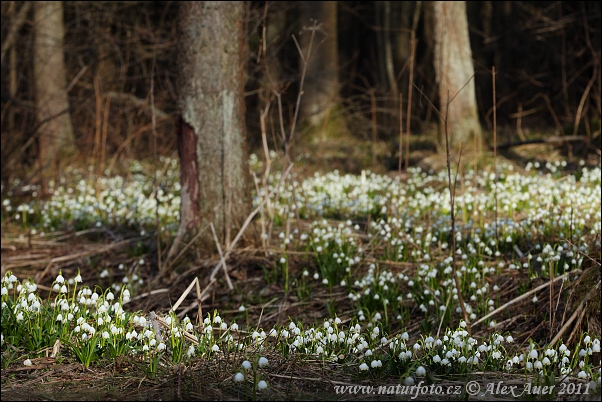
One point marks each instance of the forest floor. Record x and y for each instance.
(276, 286)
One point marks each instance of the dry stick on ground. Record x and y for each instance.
(160, 321)
(576, 326)
(198, 302)
(566, 325)
(181, 253)
(82, 254)
(221, 255)
(247, 221)
(519, 298)
(201, 297)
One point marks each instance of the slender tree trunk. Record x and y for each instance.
(402, 21)
(17, 22)
(454, 71)
(56, 137)
(211, 134)
(321, 82)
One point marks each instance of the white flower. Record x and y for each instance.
(161, 346)
(60, 279)
(262, 384)
(239, 377)
(262, 361)
(246, 364)
(376, 363)
(27, 362)
(420, 371)
(408, 381)
(215, 348)
(363, 367)
(241, 308)
(533, 354)
(234, 327)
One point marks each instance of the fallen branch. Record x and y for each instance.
(221, 256)
(556, 139)
(577, 311)
(521, 297)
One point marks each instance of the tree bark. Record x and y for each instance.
(320, 90)
(56, 137)
(454, 72)
(211, 134)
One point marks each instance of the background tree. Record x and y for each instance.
(55, 131)
(320, 90)
(211, 135)
(454, 71)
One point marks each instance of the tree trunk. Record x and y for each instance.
(402, 23)
(56, 137)
(211, 134)
(320, 90)
(454, 72)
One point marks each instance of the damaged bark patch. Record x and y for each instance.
(189, 176)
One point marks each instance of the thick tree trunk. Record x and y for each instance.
(56, 137)
(454, 72)
(211, 133)
(320, 90)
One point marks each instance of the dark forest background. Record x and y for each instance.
(546, 54)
